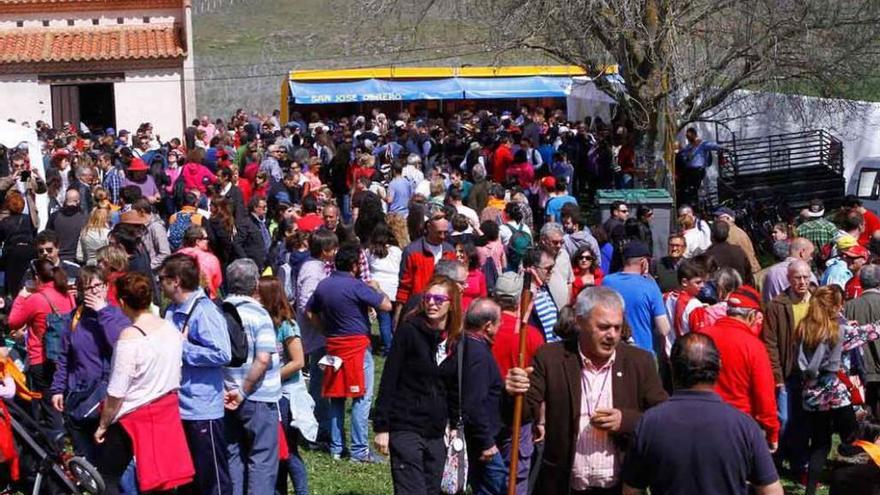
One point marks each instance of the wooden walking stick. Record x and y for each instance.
(525, 301)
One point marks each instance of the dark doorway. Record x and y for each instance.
(97, 106)
(92, 104)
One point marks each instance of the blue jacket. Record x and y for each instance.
(205, 352)
(481, 387)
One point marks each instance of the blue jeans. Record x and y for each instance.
(322, 405)
(793, 432)
(252, 437)
(386, 320)
(486, 478)
(294, 464)
(360, 415)
(526, 449)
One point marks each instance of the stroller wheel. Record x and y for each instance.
(86, 475)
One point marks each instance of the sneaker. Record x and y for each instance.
(336, 457)
(370, 458)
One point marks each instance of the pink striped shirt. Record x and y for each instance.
(596, 460)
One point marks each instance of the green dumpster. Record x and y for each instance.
(658, 199)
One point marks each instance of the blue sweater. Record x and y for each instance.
(205, 352)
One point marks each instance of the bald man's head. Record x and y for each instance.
(695, 361)
(801, 248)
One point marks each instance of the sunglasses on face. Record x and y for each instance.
(586, 258)
(437, 299)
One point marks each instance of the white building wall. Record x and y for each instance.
(151, 95)
(107, 18)
(24, 99)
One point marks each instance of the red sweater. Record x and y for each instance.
(348, 380)
(159, 444)
(505, 348)
(746, 378)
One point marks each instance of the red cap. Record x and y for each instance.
(549, 182)
(745, 297)
(138, 165)
(857, 252)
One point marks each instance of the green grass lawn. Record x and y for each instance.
(332, 477)
(343, 477)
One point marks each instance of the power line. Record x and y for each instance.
(287, 73)
(350, 55)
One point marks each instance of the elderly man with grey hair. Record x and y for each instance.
(594, 389)
(866, 309)
(553, 239)
(252, 389)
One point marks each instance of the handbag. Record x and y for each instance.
(454, 480)
(84, 403)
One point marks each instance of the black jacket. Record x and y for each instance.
(413, 394)
(481, 388)
(249, 241)
(67, 222)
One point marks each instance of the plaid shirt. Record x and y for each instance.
(113, 184)
(819, 231)
(364, 262)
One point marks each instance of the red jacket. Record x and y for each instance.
(33, 311)
(502, 159)
(746, 378)
(417, 267)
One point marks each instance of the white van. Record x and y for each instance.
(865, 182)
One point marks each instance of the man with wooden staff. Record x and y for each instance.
(595, 388)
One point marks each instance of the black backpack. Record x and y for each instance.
(238, 343)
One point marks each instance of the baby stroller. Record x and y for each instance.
(46, 467)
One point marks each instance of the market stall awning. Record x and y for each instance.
(374, 90)
(451, 88)
(515, 87)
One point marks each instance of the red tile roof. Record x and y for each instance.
(32, 45)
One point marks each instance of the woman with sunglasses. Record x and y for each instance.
(587, 272)
(81, 371)
(413, 405)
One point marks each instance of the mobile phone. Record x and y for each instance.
(25, 176)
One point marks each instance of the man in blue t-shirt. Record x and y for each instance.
(400, 191)
(695, 424)
(560, 198)
(340, 306)
(645, 310)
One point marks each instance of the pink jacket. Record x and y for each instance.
(32, 311)
(194, 175)
(209, 267)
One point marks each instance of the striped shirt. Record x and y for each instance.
(260, 332)
(596, 463)
(547, 313)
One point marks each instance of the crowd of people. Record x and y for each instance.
(220, 292)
